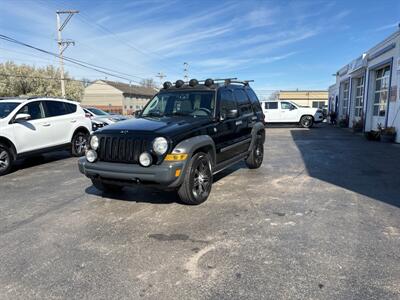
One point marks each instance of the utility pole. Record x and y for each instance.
(63, 44)
(186, 71)
(161, 75)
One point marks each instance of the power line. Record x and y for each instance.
(86, 19)
(52, 78)
(72, 60)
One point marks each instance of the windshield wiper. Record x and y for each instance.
(178, 113)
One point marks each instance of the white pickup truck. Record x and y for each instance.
(289, 112)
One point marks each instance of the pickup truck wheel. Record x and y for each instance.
(256, 157)
(306, 121)
(79, 144)
(6, 159)
(106, 187)
(197, 183)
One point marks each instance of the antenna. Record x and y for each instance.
(185, 71)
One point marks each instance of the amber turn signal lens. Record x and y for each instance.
(176, 157)
(177, 172)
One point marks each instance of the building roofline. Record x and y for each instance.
(375, 47)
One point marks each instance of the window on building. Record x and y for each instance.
(345, 103)
(359, 99)
(318, 104)
(271, 105)
(381, 91)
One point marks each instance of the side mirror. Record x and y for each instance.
(137, 113)
(293, 107)
(23, 117)
(231, 114)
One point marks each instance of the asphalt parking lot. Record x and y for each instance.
(320, 219)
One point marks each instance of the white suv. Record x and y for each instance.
(37, 125)
(289, 112)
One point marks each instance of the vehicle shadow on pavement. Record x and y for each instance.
(38, 160)
(142, 194)
(349, 161)
(138, 194)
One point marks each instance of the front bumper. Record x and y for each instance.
(318, 118)
(128, 174)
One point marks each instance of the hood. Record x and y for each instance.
(102, 119)
(166, 126)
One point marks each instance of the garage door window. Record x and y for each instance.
(359, 97)
(381, 91)
(345, 104)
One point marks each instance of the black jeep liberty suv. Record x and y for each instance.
(184, 135)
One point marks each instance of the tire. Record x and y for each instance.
(79, 144)
(6, 159)
(306, 121)
(197, 183)
(256, 157)
(106, 187)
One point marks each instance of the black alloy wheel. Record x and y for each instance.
(197, 183)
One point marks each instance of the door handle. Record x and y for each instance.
(46, 124)
(73, 121)
(238, 122)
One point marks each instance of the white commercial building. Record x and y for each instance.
(366, 91)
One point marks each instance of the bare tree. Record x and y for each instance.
(148, 82)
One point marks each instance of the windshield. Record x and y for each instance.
(98, 112)
(6, 108)
(184, 103)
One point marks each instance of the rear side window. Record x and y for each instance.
(227, 103)
(57, 108)
(254, 100)
(243, 102)
(71, 107)
(271, 105)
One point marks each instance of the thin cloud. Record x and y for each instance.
(385, 27)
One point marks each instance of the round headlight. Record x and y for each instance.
(94, 142)
(91, 156)
(145, 159)
(160, 145)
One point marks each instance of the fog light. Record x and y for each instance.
(91, 156)
(145, 159)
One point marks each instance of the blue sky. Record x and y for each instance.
(279, 44)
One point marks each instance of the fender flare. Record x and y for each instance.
(259, 126)
(191, 145)
(7, 141)
(79, 129)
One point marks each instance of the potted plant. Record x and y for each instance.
(358, 125)
(344, 122)
(373, 135)
(388, 134)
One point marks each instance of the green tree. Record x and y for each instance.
(25, 80)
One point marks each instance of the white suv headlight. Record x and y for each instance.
(160, 145)
(94, 142)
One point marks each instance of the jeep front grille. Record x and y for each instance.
(121, 149)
